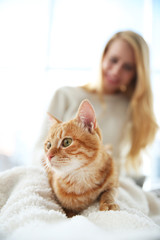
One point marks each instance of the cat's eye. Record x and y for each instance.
(48, 145)
(66, 142)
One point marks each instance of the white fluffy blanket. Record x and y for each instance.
(28, 211)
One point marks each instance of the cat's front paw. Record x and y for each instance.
(104, 207)
(114, 207)
(107, 207)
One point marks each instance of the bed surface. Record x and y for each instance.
(28, 210)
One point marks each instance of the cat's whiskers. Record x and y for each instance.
(58, 162)
(45, 164)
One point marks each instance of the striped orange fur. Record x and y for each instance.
(80, 170)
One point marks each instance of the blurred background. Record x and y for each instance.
(46, 44)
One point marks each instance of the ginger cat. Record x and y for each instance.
(79, 169)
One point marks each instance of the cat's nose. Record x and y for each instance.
(50, 156)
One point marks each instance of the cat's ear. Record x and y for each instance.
(86, 115)
(53, 120)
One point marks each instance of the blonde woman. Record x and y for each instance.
(121, 97)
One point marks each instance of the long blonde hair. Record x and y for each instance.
(143, 123)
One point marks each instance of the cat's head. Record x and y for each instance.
(73, 144)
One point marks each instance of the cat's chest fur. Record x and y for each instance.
(80, 188)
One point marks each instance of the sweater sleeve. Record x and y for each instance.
(57, 108)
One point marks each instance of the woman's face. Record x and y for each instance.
(118, 66)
